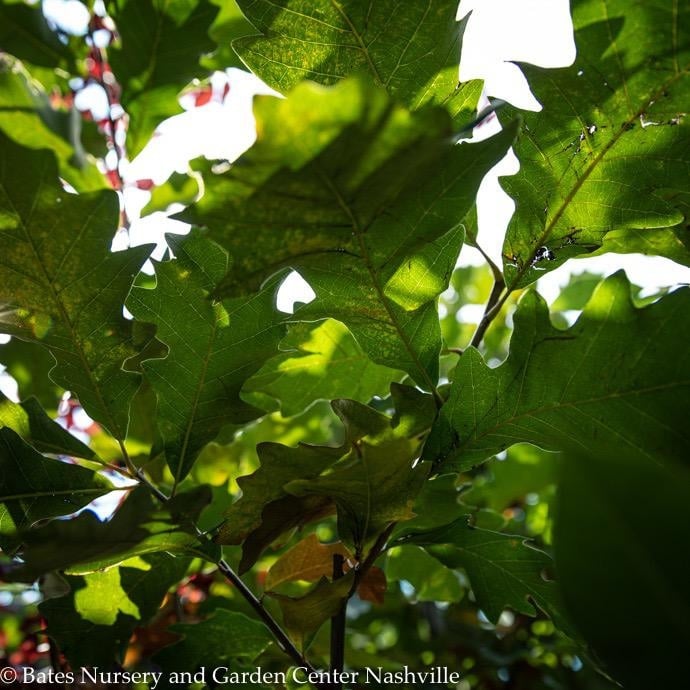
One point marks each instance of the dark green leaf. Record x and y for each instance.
(372, 478)
(321, 362)
(411, 49)
(60, 285)
(85, 544)
(225, 636)
(179, 188)
(230, 24)
(93, 624)
(33, 487)
(214, 347)
(432, 580)
(365, 200)
(266, 510)
(27, 117)
(503, 569)
(161, 43)
(611, 149)
(25, 33)
(614, 377)
(29, 364)
(619, 526)
(30, 421)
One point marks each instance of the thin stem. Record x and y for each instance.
(496, 300)
(497, 272)
(284, 642)
(338, 629)
(281, 637)
(374, 553)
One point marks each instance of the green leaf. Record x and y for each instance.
(619, 525)
(179, 188)
(61, 286)
(321, 361)
(432, 580)
(33, 487)
(29, 365)
(229, 24)
(265, 509)
(503, 569)
(411, 49)
(615, 377)
(304, 615)
(611, 148)
(161, 44)
(346, 187)
(214, 347)
(85, 544)
(526, 469)
(225, 636)
(30, 421)
(94, 622)
(25, 33)
(371, 479)
(28, 118)
(308, 560)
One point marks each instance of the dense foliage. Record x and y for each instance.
(377, 479)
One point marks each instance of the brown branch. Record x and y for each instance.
(338, 629)
(496, 300)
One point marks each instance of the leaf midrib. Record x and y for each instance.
(117, 432)
(584, 176)
(51, 493)
(575, 404)
(366, 258)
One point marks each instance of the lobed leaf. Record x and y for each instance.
(365, 200)
(320, 361)
(30, 421)
(61, 286)
(225, 636)
(93, 623)
(503, 569)
(371, 479)
(607, 161)
(85, 544)
(35, 488)
(614, 377)
(410, 49)
(214, 347)
(27, 117)
(161, 45)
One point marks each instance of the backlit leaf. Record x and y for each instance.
(411, 49)
(614, 377)
(93, 623)
(214, 347)
(161, 44)
(34, 488)
(320, 362)
(30, 421)
(59, 284)
(610, 152)
(365, 200)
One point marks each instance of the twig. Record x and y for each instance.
(284, 642)
(338, 629)
(497, 299)
(281, 637)
(373, 554)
